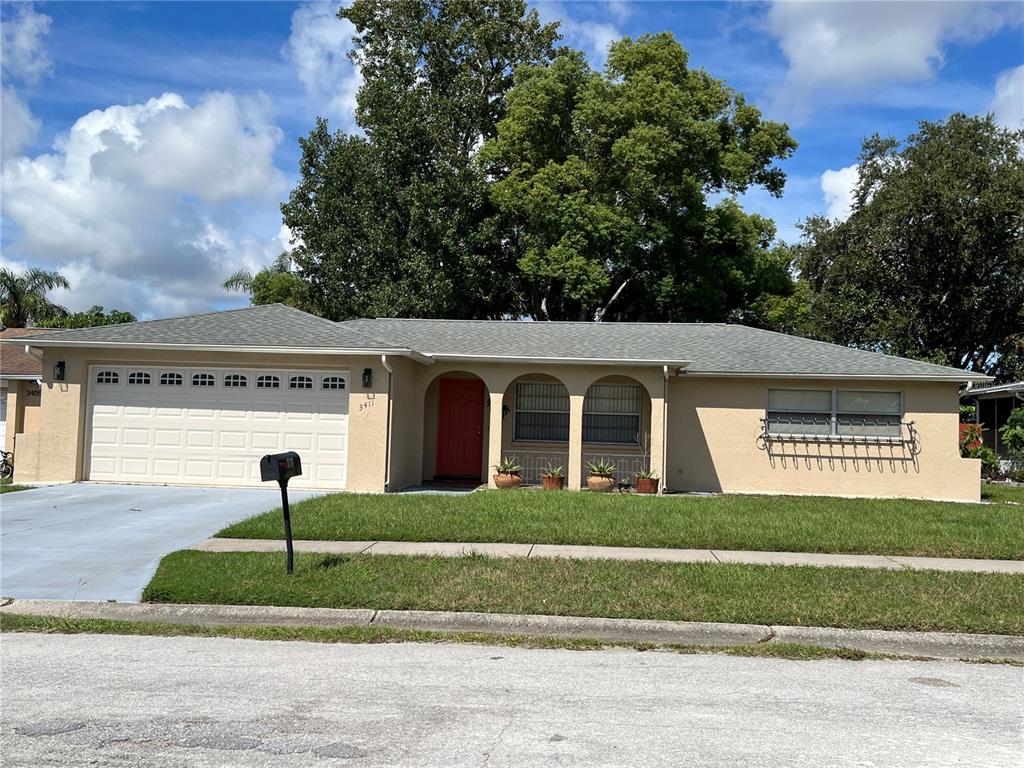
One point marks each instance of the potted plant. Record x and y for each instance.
(646, 482)
(508, 474)
(600, 475)
(553, 478)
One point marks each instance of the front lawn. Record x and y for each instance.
(1002, 493)
(6, 486)
(780, 523)
(835, 597)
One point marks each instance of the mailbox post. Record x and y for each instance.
(282, 467)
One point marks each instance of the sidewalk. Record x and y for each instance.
(945, 645)
(461, 549)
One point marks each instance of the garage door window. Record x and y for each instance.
(139, 377)
(268, 382)
(107, 377)
(332, 382)
(203, 380)
(235, 380)
(171, 380)
(300, 382)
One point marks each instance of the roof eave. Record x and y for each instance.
(952, 377)
(56, 343)
(534, 360)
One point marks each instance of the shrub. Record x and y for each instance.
(970, 438)
(1011, 434)
(989, 460)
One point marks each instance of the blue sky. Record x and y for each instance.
(147, 146)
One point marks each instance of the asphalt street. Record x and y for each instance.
(74, 700)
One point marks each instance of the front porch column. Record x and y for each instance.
(494, 436)
(657, 456)
(576, 440)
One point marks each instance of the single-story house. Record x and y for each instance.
(20, 387)
(379, 405)
(993, 404)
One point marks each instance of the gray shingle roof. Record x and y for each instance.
(706, 347)
(271, 325)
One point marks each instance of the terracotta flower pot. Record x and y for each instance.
(552, 483)
(647, 485)
(506, 480)
(600, 483)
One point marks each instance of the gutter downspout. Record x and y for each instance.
(664, 431)
(387, 437)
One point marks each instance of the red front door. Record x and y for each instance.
(460, 424)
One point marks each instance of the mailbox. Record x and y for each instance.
(280, 467)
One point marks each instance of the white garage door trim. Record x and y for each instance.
(210, 425)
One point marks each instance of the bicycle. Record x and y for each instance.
(6, 465)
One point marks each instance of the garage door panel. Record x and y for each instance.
(215, 435)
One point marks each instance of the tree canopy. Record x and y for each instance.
(930, 263)
(90, 318)
(603, 182)
(23, 297)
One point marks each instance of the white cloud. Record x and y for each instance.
(17, 125)
(592, 37)
(838, 187)
(24, 56)
(149, 206)
(1008, 102)
(318, 48)
(848, 45)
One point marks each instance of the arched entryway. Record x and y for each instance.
(535, 424)
(455, 428)
(617, 426)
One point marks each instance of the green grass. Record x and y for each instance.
(835, 597)
(60, 625)
(1002, 493)
(6, 486)
(782, 523)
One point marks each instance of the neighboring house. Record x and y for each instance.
(20, 386)
(994, 403)
(375, 405)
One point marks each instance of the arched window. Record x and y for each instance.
(171, 380)
(139, 377)
(268, 381)
(108, 377)
(203, 380)
(300, 382)
(332, 382)
(236, 380)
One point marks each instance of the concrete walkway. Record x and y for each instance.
(461, 549)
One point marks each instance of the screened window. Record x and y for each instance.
(876, 414)
(268, 381)
(834, 412)
(611, 414)
(332, 382)
(139, 377)
(107, 377)
(171, 380)
(800, 411)
(236, 380)
(542, 412)
(203, 380)
(300, 382)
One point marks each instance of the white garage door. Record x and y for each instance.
(210, 426)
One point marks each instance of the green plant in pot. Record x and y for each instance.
(646, 481)
(508, 473)
(553, 478)
(600, 475)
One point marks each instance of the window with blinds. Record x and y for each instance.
(541, 412)
(834, 412)
(611, 414)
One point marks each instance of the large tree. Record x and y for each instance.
(23, 297)
(397, 221)
(604, 182)
(89, 318)
(930, 263)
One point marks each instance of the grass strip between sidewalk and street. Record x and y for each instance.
(773, 523)
(59, 625)
(852, 598)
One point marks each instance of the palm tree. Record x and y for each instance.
(242, 279)
(23, 297)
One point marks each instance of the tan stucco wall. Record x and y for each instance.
(712, 427)
(712, 445)
(56, 453)
(23, 409)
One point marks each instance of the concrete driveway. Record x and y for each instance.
(103, 542)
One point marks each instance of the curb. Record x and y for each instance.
(943, 645)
